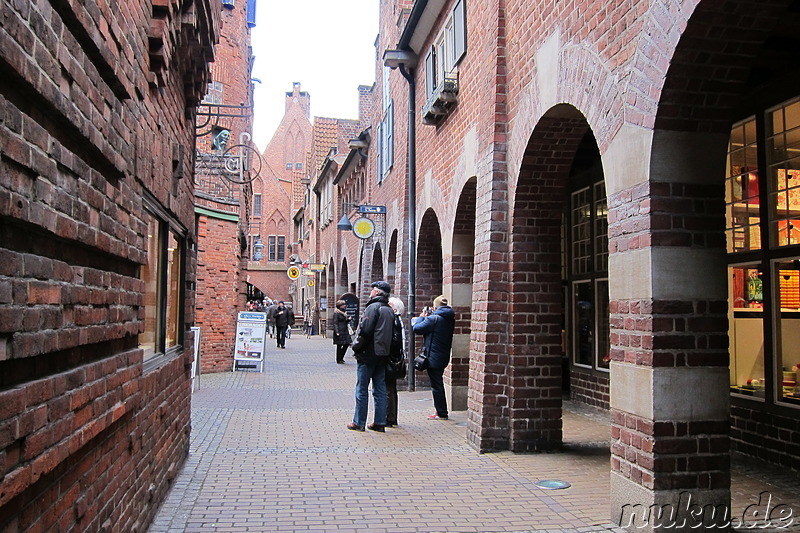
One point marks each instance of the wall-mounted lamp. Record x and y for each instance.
(395, 58)
(344, 224)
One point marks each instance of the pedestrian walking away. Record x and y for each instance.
(436, 326)
(397, 367)
(284, 319)
(341, 333)
(371, 350)
(273, 307)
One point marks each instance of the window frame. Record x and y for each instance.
(764, 224)
(170, 291)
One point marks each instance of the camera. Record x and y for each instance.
(427, 310)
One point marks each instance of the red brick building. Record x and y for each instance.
(227, 164)
(97, 273)
(276, 192)
(606, 193)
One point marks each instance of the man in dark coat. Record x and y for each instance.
(371, 349)
(437, 328)
(284, 318)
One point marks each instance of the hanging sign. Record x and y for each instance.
(293, 272)
(310, 282)
(363, 228)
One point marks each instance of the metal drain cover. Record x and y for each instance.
(552, 484)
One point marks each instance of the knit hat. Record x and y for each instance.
(439, 301)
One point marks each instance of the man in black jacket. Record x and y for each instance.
(371, 349)
(284, 318)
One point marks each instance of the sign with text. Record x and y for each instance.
(251, 329)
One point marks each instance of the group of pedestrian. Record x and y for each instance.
(372, 346)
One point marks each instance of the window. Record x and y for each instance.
(298, 166)
(588, 276)
(288, 166)
(763, 243)
(386, 129)
(281, 248)
(257, 205)
(162, 275)
(276, 248)
(448, 48)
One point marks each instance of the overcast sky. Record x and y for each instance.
(325, 45)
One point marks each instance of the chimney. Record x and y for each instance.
(298, 97)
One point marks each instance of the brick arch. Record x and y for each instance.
(460, 279)
(429, 274)
(377, 263)
(344, 277)
(585, 82)
(711, 54)
(536, 302)
(391, 264)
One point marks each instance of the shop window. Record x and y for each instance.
(588, 270)
(787, 328)
(746, 329)
(162, 275)
(763, 206)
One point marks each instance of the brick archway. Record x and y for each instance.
(666, 227)
(536, 301)
(430, 276)
(458, 287)
(377, 264)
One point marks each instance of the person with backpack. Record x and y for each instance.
(396, 369)
(437, 328)
(371, 350)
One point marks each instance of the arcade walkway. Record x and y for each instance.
(270, 452)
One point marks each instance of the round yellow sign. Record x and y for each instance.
(363, 228)
(310, 283)
(293, 272)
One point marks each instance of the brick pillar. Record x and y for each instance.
(669, 375)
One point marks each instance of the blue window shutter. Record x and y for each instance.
(251, 13)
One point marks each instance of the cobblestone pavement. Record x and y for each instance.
(270, 452)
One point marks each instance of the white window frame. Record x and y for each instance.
(448, 49)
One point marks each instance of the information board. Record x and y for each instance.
(351, 308)
(251, 329)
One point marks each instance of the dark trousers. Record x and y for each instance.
(391, 401)
(437, 387)
(341, 349)
(281, 336)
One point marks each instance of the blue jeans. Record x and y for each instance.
(365, 373)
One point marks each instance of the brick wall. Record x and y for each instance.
(218, 297)
(591, 388)
(90, 438)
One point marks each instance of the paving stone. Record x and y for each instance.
(270, 452)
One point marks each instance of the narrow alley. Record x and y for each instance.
(270, 452)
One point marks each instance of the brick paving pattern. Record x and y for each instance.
(270, 452)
